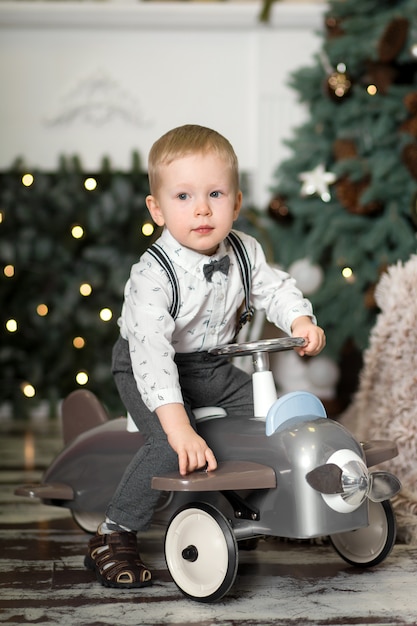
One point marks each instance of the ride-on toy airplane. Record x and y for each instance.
(287, 472)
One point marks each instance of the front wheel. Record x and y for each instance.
(369, 546)
(201, 552)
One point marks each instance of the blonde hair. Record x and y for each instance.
(185, 140)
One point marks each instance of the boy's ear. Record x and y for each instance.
(238, 205)
(153, 208)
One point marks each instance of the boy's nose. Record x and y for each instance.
(203, 208)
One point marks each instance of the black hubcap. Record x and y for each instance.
(190, 553)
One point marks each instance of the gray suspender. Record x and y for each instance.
(244, 266)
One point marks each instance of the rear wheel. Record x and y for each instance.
(201, 552)
(368, 546)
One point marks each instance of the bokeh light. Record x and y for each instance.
(85, 289)
(28, 390)
(42, 310)
(78, 342)
(147, 229)
(106, 314)
(81, 378)
(90, 183)
(27, 180)
(11, 325)
(348, 275)
(77, 231)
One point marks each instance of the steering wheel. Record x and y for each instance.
(264, 345)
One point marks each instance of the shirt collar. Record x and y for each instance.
(189, 260)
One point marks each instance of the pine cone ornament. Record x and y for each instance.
(410, 126)
(409, 157)
(393, 39)
(349, 193)
(369, 297)
(333, 26)
(382, 75)
(344, 149)
(410, 101)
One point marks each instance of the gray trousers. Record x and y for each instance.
(205, 381)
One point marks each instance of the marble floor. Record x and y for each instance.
(43, 580)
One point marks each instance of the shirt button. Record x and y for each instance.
(220, 297)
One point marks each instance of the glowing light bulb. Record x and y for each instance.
(372, 90)
(78, 342)
(147, 229)
(106, 314)
(9, 271)
(11, 325)
(86, 289)
(28, 390)
(81, 378)
(77, 231)
(348, 275)
(27, 180)
(90, 183)
(42, 310)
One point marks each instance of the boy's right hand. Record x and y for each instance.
(192, 450)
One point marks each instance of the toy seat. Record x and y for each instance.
(202, 414)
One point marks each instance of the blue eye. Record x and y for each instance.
(182, 196)
(215, 194)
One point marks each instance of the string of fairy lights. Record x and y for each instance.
(313, 183)
(105, 314)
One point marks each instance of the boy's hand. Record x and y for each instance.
(314, 336)
(193, 452)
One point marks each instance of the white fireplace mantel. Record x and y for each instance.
(105, 78)
(171, 15)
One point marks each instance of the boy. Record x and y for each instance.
(161, 364)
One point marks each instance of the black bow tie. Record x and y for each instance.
(216, 266)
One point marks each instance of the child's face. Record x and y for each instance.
(196, 201)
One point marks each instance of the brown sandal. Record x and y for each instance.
(115, 559)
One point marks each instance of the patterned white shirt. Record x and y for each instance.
(208, 310)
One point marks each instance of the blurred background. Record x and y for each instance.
(319, 100)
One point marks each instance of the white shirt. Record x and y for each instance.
(208, 310)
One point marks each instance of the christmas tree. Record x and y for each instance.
(68, 240)
(345, 203)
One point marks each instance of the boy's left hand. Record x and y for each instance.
(314, 336)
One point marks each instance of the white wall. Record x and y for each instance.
(97, 79)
